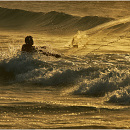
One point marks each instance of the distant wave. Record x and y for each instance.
(115, 26)
(15, 18)
(50, 22)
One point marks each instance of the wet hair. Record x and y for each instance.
(29, 40)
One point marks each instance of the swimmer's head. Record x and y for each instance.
(29, 40)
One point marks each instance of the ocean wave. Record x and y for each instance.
(89, 22)
(113, 34)
(33, 69)
(108, 81)
(95, 79)
(15, 18)
(50, 22)
(121, 96)
(21, 63)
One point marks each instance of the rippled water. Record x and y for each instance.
(88, 87)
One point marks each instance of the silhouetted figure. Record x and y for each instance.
(28, 47)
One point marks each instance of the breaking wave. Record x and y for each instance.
(96, 78)
(50, 22)
(107, 82)
(121, 96)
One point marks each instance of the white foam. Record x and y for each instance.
(121, 96)
(107, 82)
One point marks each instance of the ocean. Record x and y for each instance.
(88, 87)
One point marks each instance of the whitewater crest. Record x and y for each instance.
(121, 96)
(110, 37)
(95, 79)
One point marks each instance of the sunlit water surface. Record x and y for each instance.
(88, 87)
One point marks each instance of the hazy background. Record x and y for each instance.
(114, 9)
